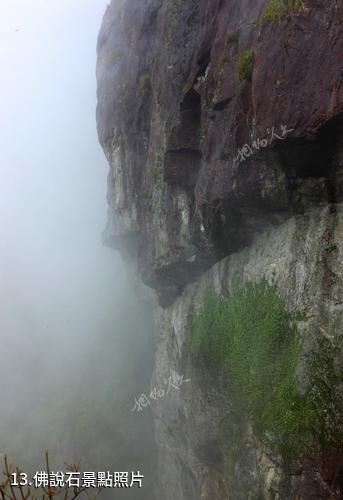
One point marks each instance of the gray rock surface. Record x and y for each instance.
(172, 115)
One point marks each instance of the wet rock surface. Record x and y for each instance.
(199, 425)
(224, 136)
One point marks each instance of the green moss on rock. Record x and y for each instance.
(143, 82)
(275, 10)
(254, 339)
(232, 36)
(245, 65)
(157, 173)
(173, 13)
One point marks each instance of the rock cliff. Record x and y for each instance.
(222, 124)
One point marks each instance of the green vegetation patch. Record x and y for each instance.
(232, 36)
(112, 55)
(254, 339)
(157, 173)
(144, 194)
(275, 10)
(143, 83)
(245, 65)
(173, 14)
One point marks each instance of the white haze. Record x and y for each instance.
(58, 284)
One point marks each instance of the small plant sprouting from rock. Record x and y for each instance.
(245, 65)
(232, 36)
(143, 83)
(157, 173)
(252, 337)
(281, 79)
(289, 34)
(144, 194)
(275, 10)
(174, 7)
(223, 60)
(204, 129)
(112, 55)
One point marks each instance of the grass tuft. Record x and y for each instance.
(245, 65)
(275, 10)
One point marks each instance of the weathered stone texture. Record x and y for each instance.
(172, 118)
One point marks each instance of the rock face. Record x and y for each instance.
(223, 128)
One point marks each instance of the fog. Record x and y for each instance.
(74, 339)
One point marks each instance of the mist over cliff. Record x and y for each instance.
(172, 303)
(75, 340)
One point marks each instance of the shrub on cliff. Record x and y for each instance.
(275, 10)
(245, 65)
(254, 339)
